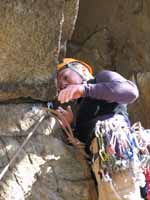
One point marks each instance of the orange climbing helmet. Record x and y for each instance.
(67, 61)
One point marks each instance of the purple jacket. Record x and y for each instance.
(112, 87)
(107, 97)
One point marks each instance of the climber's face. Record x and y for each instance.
(68, 77)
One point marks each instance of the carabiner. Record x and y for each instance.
(103, 155)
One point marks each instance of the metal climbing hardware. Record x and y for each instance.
(50, 105)
(117, 147)
(115, 144)
(99, 135)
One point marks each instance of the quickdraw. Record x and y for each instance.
(99, 135)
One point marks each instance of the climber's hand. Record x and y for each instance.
(66, 116)
(71, 92)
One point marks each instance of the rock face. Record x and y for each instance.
(31, 33)
(33, 36)
(46, 168)
(115, 35)
(141, 109)
(70, 15)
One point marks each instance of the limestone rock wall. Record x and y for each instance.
(115, 35)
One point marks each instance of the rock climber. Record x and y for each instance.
(103, 97)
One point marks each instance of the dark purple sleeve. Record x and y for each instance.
(112, 87)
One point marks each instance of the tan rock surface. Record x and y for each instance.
(47, 168)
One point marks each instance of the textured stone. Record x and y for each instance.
(142, 107)
(29, 47)
(47, 168)
(30, 40)
(115, 35)
(70, 15)
(125, 48)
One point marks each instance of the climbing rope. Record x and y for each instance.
(21, 147)
(68, 131)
